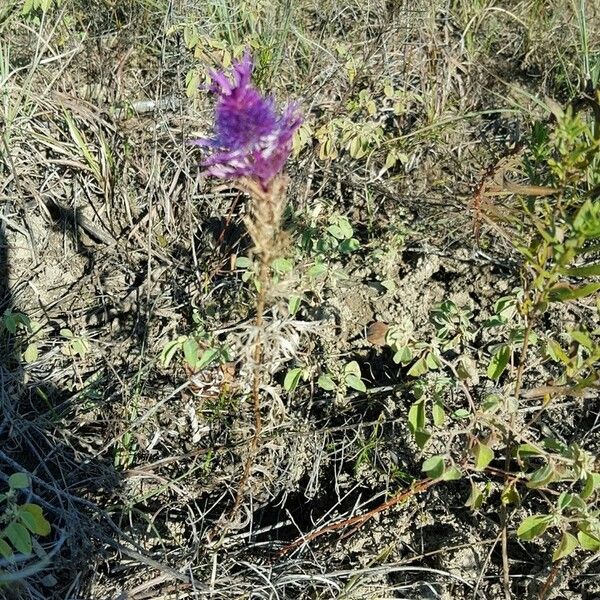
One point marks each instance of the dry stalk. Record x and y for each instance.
(264, 227)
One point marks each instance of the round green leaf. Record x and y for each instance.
(19, 537)
(292, 378)
(568, 543)
(533, 526)
(434, 466)
(18, 481)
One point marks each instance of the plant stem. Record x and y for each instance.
(263, 282)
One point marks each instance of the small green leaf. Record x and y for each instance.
(592, 483)
(356, 383)
(243, 262)
(5, 549)
(461, 413)
(317, 270)
(168, 352)
(31, 353)
(416, 416)
(19, 481)
(19, 537)
(541, 477)
(582, 338)
(352, 368)
(483, 454)
(432, 361)
(28, 520)
(190, 352)
(438, 414)
(294, 304)
(563, 293)
(403, 355)
(207, 357)
(42, 527)
(434, 466)
(556, 353)
(527, 450)
(583, 271)
(348, 246)
(452, 474)
(510, 494)
(476, 497)
(422, 436)
(336, 232)
(282, 265)
(567, 545)
(491, 403)
(326, 383)
(533, 526)
(588, 541)
(419, 368)
(498, 362)
(292, 379)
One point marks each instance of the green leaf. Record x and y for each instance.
(510, 494)
(41, 525)
(533, 526)
(317, 270)
(5, 550)
(422, 436)
(434, 466)
(326, 383)
(582, 338)
(556, 353)
(292, 379)
(583, 271)
(352, 368)
(476, 497)
(526, 450)
(207, 357)
(336, 232)
(419, 368)
(567, 545)
(452, 474)
(243, 262)
(432, 361)
(588, 541)
(563, 293)
(542, 477)
(483, 454)
(166, 356)
(592, 483)
(438, 414)
(28, 520)
(351, 245)
(190, 352)
(19, 481)
(294, 304)
(416, 416)
(491, 403)
(355, 382)
(461, 413)
(282, 265)
(403, 355)
(498, 362)
(19, 537)
(31, 353)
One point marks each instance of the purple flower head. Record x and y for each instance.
(251, 139)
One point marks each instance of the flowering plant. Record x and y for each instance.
(251, 139)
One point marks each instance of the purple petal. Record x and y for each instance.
(250, 137)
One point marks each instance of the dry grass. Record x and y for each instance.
(107, 229)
